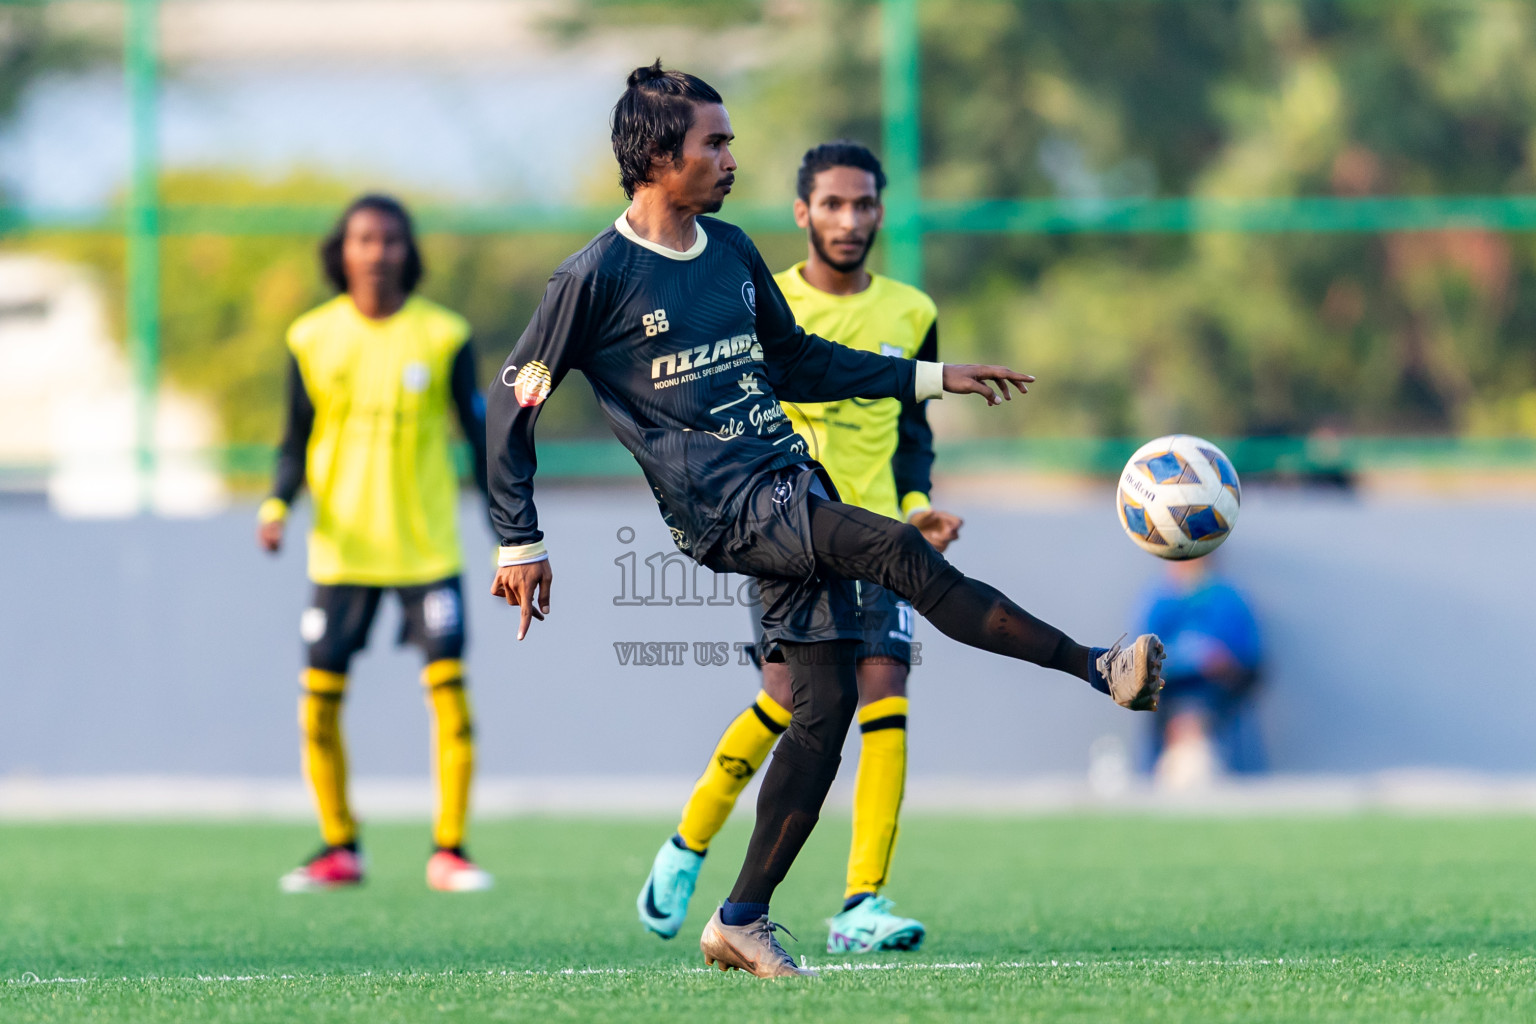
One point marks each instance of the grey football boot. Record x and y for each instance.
(1134, 673)
(751, 948)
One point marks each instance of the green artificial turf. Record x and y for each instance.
(1044, 919)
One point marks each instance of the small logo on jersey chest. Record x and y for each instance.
(655, 323)
(887, 349)
(749, 296)
(415, 377)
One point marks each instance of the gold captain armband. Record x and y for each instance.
(521, 554)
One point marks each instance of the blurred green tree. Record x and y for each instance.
(227, 300)
(1077, 100)
(1084, 101)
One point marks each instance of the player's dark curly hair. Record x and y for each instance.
(652, 119)
(330, 246)
(842, 153)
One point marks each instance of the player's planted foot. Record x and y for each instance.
(869, 927)
(1134, 673)
(750, 947)
(453, 871)
(334, 867)
(663, 902)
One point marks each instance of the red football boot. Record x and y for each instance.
(452, 871)
(332, 868)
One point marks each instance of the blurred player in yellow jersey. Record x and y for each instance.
(376, 376)
(879, 454)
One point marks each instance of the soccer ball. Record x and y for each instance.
(1178, 497)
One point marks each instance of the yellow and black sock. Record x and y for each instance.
(877, 794)
(453, 749)
(324, 755)
(740, 753)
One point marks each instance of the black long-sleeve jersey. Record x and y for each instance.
(688, 355)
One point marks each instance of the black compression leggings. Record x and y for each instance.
(860, 545)
(825, 691)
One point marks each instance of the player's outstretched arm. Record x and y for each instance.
(527, 587)
(969, 379)
(805, 368)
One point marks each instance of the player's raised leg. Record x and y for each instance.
(858, 544)
(741, 751)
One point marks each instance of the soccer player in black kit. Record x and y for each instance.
(689, 346)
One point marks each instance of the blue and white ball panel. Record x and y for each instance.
(1178, 497)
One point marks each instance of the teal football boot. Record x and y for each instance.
(870, 927)
(663, 903)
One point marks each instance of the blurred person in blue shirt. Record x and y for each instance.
(1206, 724)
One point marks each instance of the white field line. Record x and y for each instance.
(144, 797)
(29, 978)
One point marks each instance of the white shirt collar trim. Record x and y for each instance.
(699, 242)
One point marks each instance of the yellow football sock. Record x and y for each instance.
(453, 748)
(739, 754)
(877, 793)
(324, 756)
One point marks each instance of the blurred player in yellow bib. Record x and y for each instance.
(376, 376)
(879, 454)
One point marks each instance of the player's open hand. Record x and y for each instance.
(270, 536)
(938, 528)
(522, 586)
(968, 379)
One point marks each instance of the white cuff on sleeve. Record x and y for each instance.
(521, 554)
(930, 380)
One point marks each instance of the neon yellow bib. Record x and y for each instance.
(855, 439)
(380, 467)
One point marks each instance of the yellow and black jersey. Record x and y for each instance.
(878, 452)
(369, 431)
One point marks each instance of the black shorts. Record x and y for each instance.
(887, 622)
(771, 542)
(335, 626)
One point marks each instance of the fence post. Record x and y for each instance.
(141, 66)
(901, 128)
